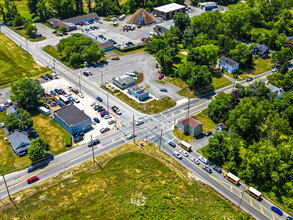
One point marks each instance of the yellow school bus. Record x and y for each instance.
(253, 192)
(185, 145)
(231, 177)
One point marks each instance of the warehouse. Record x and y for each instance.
(167, 11)
(72, 119)
(123, 82)
(82, 18)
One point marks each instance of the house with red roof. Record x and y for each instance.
(190, 125)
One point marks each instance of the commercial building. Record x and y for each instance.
(19, 142)
(138, 92)
(82, 18)
(228, 65)
(56, 23)
(72, 119)
(190, 125)
(208, 6)
(167, 11)
(123, 82)
(141, 17)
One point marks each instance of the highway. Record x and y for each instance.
(151, 129)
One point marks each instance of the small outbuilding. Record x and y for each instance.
(190, 125)
(141, 17)
(208, 6)
(138, 92)
(123, 82)
(168, 11)
(72, 119)
(228, 65)
(261, 50)
(19, 142)
(11, 109)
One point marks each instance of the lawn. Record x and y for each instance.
(219, 81)
(129, 52)
(181, 136)
(21, 8)
(16, 63)
(185, 90)
(152, 187)
(51, 132)
(53, 52)
(22, 33)
(208, 124)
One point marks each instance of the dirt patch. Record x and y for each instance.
(138, 200)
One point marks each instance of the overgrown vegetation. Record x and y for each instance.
(153, 186)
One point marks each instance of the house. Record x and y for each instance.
(11, 109)
(72, 119)
(275, 90)
(190, 125)
(123, 82)
(138, 92)
(19, 142)
(228, 65)
(168, 11)
(208, 6)
(56, 23)
(261, 50)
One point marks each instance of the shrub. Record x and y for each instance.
(107, 19)
(68, 140)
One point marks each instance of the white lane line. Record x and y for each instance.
(123, 139)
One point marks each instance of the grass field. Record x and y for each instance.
(53, 52)
(154, 187)
(51, 132)
(22, 33)
(219, 81)
(21, 8)
(16, 63)
(129, 52)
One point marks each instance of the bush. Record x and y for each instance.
(36, 19)
(68, 140)
(107, 19)
(127, 49)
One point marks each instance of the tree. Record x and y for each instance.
(18, 21)
(225, 44)
(200, 77)
(36, 151)
(11, 122)
(272, 39)
(284, 69)
(30, 29)
(220, 107)
(182, 21)
(62, 29)
(242, 55)
(20, 120)
(281, 57)
(204, 55)
(32, 7)
(257, 89)
(284, 81)
(8, 10)
(26, 93)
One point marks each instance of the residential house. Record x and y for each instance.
(190, 125)
(19, 142)
(261, 50)
(228, 65)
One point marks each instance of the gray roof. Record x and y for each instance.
(10, 109)
(124, 80)
(71, 115)
(135, 88)
(166, 24)
(228, 61)
(81, 17)
(262, 48)
(57, 23)
(18, 138)
(273, 88)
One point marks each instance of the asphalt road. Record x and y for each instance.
(153, 126)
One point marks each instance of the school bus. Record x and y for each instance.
(185, 145)
(253, 192)
(231, 177)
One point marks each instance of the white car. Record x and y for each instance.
(274, 70)
(80, 95)
(204, 160)
(93, 122)
(139, 123)
(131, 136)
(107, 116)
(196, 161)
(118, 112)
(176, 154)
(184, 153)
(111, 121)
(2, 124)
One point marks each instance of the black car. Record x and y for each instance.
(208, 133)
(49, 76)
(218, 169)
(289, 218)
(97, 120)
(249, 79)
(93, 143)
(86, 73)
(172, 144)
(207, 169)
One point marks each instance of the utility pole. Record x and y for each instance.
(107, 102)
(54, 66)
(7, 189)
(240, 200)
(188, 103)
(146, 136)
(133, 129)
(146, 108)
(92, 148)
(161, 140)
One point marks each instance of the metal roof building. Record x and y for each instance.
(123, 82)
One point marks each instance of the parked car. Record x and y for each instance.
(163, 90)
(203, 159)
(274, 70)
(111, 121)
(31, 169)
(107, 116)
(104, 61)
(54, 32)
(176, 154)
(97, 120)
(289, 218)
(157, 65)
(93, 143)
(86, 73)
(45, 78)
(184, 153)
(32, 179)
(49, 76)
(104, 129)
(54, 75)
(115, 58)
(196, 161)
(277, 210)
(207, 169)
(53, 93)
(160, 76)
(80, 95)
(249, 79)
(172, 144)
(218, 169)
(99, 99)
(208, 133)
(139, 123)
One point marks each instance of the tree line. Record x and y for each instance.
(257, 143)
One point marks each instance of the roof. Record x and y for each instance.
(10, 109)
(124, 80)
(190, 121)
(105, 45)
(169, 7)
(136, 89)
(221, 125)
(141, 13)
(207, 3)
(18, 138)
(71, 115)
(167, 24)
(273, 88)
(262, 48)
(57, 23)
(228, 61)
(95, 38)
(81, 17)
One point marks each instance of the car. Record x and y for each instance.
(172, 144)
(45, 78)
(99, 99)
(207, 169)
(131, 136)
(104, 129)
(104, 114)
(57, 91)
(32, 179)
(203, 159)
(37, 80)
(62, 91)
(107, 116)
(249, 79)
(163, 90)
(118, 112)
(274, 70)
(277, 210)
(54, 32)
(115, 58)
(31, 169)
(85, 73)
(139, 123)
(176, 154)
(53, 93)
(160, 76)
(80, 95)
(218, 169)
(196, 161)
(104, 61)
(49, 76)
(289, 218)
(184, 153)
(54, 75)
(157, 65)
(93, 143)
(96, 120)
(111, 121)
(208, 133)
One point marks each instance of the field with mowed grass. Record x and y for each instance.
(134, 183)
(16, 63)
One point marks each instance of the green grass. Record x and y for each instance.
(184, 137)
(257, 30)
(53, 52)
(22, 33)
(185, 90)
(208, 124)
(219, 81)
(51, 132)
(154, 186)
(16, 63)
(129, 52)
(49, 26)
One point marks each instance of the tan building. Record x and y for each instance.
(141, 17)
(167, 11)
